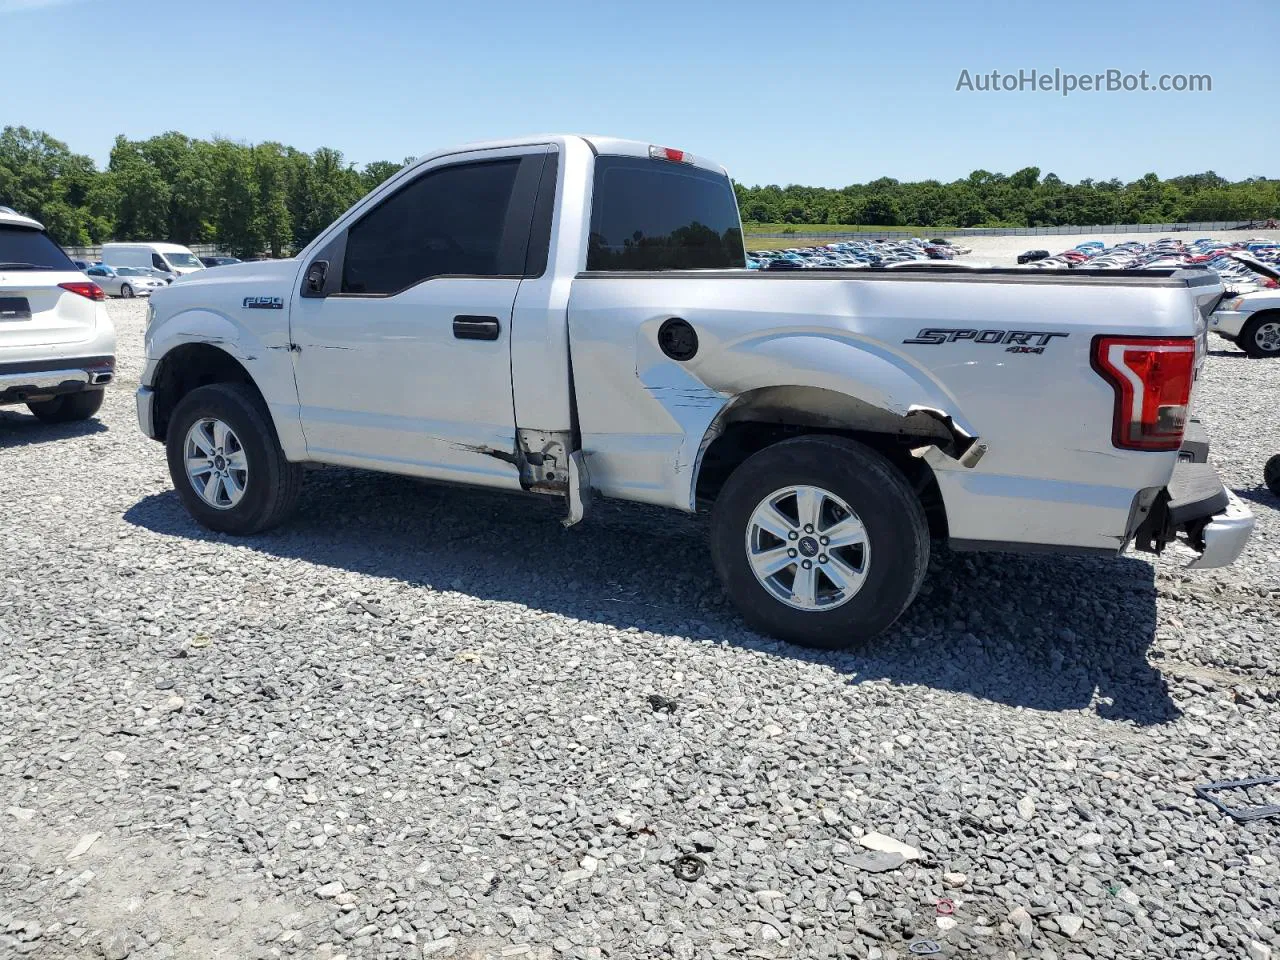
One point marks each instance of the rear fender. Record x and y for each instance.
(833, 380)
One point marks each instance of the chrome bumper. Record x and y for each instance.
(1228, 323)
(1197, 514)
(1225, 536)
(146, 421)
(39, 382)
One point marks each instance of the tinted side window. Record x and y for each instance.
(658, 215)
(26, 246)
(449, 221)
(157, 261)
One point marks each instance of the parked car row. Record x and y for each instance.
(1248, 314)
(137, 269)
(1158, 254)
(851, 254)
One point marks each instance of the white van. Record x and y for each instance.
(171, 259)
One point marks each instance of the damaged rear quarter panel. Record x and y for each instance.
(646, 419)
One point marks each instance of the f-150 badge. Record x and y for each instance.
(264, 303)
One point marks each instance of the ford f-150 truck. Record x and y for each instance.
(569, 316)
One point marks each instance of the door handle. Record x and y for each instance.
(466, 327)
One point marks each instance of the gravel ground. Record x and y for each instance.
(425, 722)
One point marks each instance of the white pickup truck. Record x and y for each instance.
(571, 315)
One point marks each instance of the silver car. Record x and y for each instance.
(125, 281)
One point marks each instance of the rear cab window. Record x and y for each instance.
(660, 215)
(23, 248)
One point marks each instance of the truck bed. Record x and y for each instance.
(1180, 277)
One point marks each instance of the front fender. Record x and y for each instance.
(262, 348)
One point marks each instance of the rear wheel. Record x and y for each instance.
(126, 291)
(1260, 337)
(1271, 474)
(820, 541)
(68, 407)
(226, 462)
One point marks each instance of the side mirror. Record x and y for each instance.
(314, 282)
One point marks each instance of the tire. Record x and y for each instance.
(68, 407)
(126, 291)
(1260, 337)
(268, 485)
(1271, 474)
(892, 559)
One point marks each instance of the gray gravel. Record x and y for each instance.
(425, 722)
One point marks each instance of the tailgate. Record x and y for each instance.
(35, 311)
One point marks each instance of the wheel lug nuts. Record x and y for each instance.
(807, 564)
(824, 540)
(793, 535)
(822, 558)
(808, 528)
(791, 553)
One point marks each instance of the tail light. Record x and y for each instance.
(84, 289)
(1152, 378)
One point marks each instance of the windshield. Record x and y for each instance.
(182, 260)
(22, 248)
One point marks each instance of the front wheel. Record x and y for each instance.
(126, 291)
(819, 541)
(226, 462)
(68, 406)
(1260, 337)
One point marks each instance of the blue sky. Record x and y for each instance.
(826, 92)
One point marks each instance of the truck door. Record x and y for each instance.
(400, 324)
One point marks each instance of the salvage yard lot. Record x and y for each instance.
(418, 722)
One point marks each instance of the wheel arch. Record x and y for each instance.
(761, 418)
(189, 366)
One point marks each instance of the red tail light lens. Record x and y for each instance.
(1152, 378)
(85, 289)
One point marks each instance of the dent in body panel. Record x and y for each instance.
(691, 405)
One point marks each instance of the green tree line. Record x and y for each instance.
(247, 199)
(267, 197)
(1021, 199)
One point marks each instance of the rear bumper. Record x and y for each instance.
(1224, 537)
(40, 380)
(1196, 510)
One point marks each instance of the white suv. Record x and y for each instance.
(57, 344)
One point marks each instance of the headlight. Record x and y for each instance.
(1233, 305)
